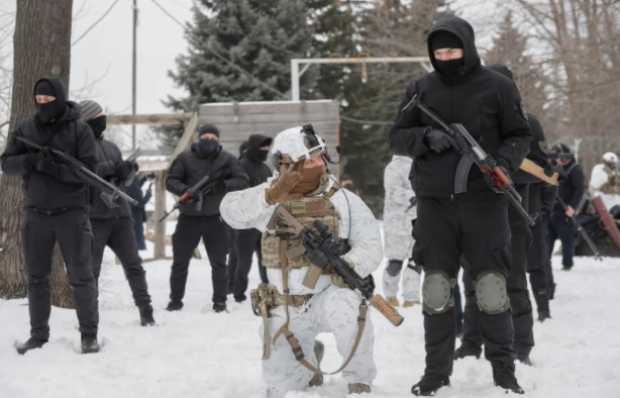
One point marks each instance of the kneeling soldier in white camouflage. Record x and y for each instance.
(309, 223)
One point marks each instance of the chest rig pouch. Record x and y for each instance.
(306, 211)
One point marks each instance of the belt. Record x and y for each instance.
(53, 212)
(294, 300)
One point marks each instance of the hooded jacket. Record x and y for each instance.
(109, 158)
(255, 168)
(485, 102)
(572, 186)
(62, 189)
(188, 168)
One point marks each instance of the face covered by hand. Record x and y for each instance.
(311, 174)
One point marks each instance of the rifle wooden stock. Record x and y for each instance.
(390, 313)
(312, 276)
(532, 168)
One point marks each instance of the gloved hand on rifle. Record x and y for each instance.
(438, 140)
(497, 177)
(45, 162)
(321, 243)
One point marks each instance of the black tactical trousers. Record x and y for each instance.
(72, 231)
(186, 237)
(118, 234)
(561, 227)
(537, 265)
(522, 319)
(477, 228)
(244, 243)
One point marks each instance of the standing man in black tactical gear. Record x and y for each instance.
(247, 241)
(571, 191)
(542, 197)
(56, 205)
(520, 304)
(138, 212)
(113, 227)
(473, 223)
(200, 216)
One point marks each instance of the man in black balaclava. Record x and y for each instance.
(113, 227)
(56, 210)
(473, 223)
(200, 215)
(247, 241)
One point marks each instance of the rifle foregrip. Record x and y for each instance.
(312, 276)
(386, 310)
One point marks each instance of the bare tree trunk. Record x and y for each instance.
(42, 48)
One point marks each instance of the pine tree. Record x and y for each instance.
(510, 48)
(239, 50)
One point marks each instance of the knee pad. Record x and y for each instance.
(394, 267)
(491, 293)
(437, 295)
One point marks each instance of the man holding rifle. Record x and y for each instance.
(113, 226)
(201, 177)
(56, 205)
(308, 223)
(459, 210)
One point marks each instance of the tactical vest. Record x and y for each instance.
(306, 210)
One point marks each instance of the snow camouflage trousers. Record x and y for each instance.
(333, 310)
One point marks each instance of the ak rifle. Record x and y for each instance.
(195, 192)
(109, 192)
(472, 152)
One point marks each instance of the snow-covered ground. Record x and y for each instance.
(199, 353)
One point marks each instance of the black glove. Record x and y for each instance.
(45, 162)
(125, 168)
(438, 140)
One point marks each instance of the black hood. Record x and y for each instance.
(255, 142)
(51, 112)
(464, 31)
(502, 69)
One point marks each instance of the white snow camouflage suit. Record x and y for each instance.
(397, 216)
(605, 183)
(331, 309)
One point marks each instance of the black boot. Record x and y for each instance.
(90, 344)
(467, 350)
(504, 377)
(428, 386)
(543, 316)
(219, 307)
(29, 344)
(146, 315)
(524, 359)
(174, 305)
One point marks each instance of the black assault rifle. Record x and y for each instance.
(471, 152)
(196, 192)
(109, 192)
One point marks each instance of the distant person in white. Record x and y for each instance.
(605, 180)
(399, 211)
(303, 186)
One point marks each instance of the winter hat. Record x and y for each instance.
(207, 128)
(89, 110)
(44, 87)
(444, 39)
(610, 157)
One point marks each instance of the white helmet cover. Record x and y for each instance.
(610, 157)
(298, 143)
